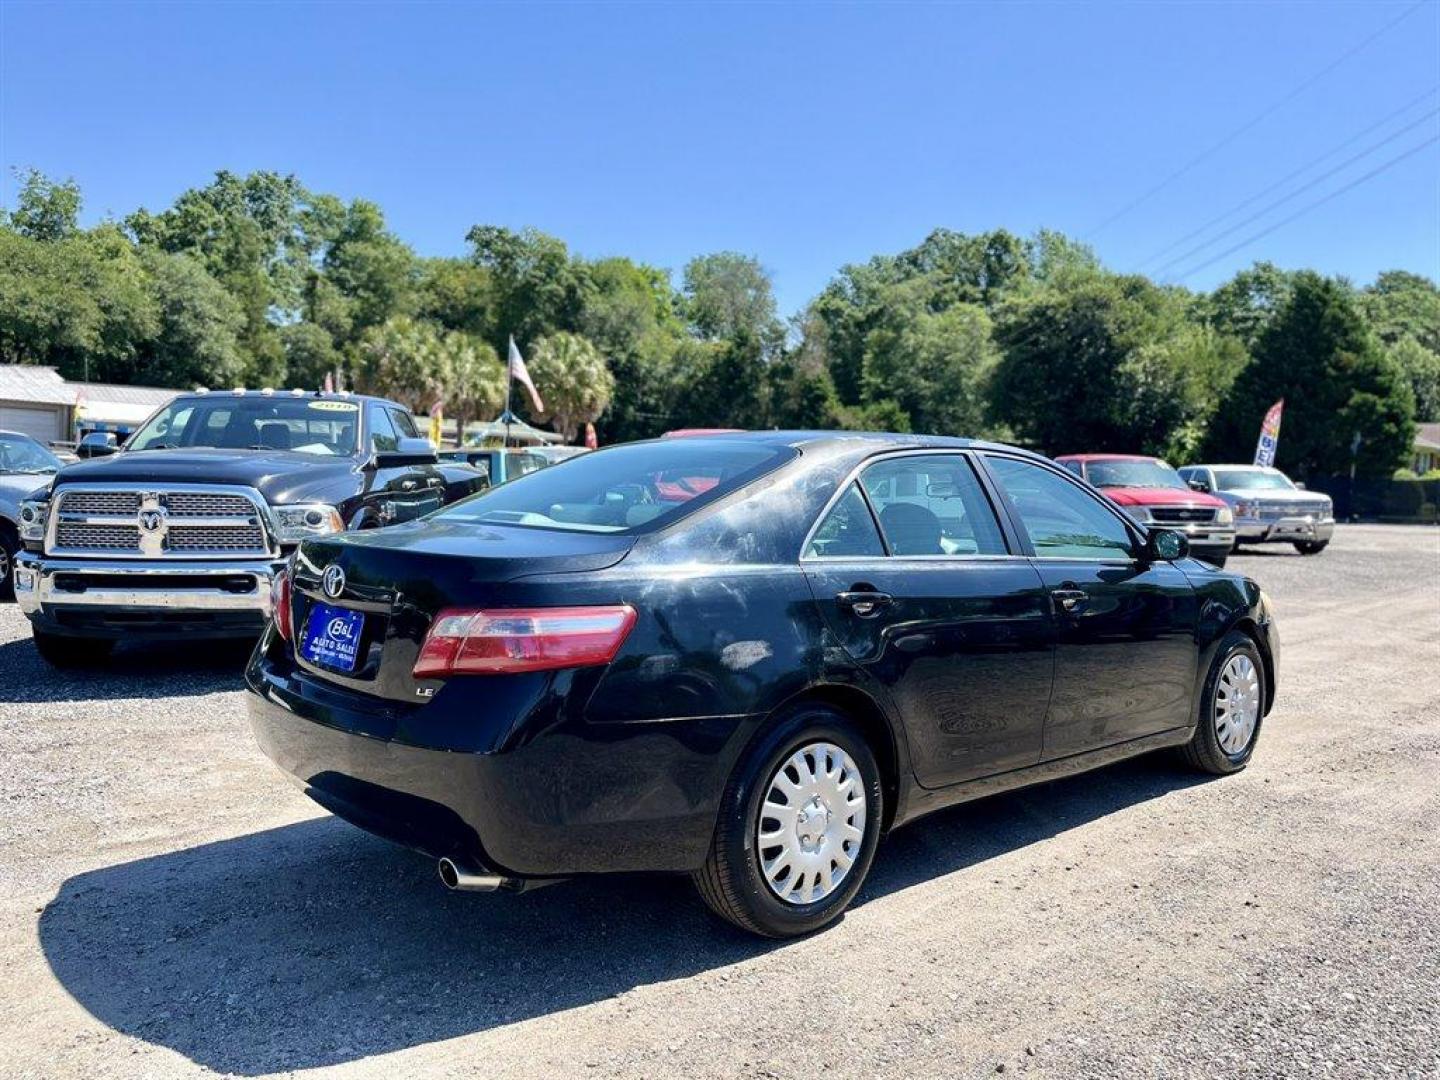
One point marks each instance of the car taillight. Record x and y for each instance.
(467, 641)
(280, 604)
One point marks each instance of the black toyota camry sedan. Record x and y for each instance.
(744, 657)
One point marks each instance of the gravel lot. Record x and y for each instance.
(171, 906)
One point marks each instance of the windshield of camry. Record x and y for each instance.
(624, 487)
(321, 426)
(1239, 479)
(1136, 474)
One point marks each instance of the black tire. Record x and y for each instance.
(72, 652)
(731, 882)
(1311, 547)
(9, 545)
(1203, 751)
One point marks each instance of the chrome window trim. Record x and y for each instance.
(853, 477)
(52, 520)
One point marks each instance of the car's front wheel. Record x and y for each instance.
(797, 828)
(1231, 708)
(1310, 547)
(72, 652)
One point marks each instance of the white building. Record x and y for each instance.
(37, 401)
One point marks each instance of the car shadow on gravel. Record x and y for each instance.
(314, 944)
(175, 669)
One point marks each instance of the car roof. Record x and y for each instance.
(879, 440)
(287, 395)
(1261, 468)
(1107, 457)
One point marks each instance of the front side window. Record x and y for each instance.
(319, 426)
(404, 424)
(932, 504)
(1062, 520)
(848, 531)
(382, 431)
(633, 486)
(21, 455)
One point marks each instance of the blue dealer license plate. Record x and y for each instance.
(332, 637)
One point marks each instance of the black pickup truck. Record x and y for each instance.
(180, 533)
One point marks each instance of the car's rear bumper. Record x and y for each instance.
(122, 598)
(573, 797)
(1285, 530)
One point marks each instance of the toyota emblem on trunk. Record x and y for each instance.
(333, 581)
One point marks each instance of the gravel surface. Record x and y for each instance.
(170, 906)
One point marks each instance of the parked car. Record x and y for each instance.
(25, 465)
(180, 533)
(1150, 490)
(1269, 507)
(608, 667)
(500, 466)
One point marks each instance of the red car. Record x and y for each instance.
(1149, 490)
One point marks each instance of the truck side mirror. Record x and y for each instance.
(1196, 484)
(97, 444)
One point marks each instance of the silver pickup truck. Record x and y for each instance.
(1269, 507)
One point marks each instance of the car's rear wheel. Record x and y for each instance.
(1232, 707)
(1311, 547)
(72, 652)
(797, 828)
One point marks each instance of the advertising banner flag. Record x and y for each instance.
(1269, 435)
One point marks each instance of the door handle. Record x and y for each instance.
(864, 602)
(1069, 599)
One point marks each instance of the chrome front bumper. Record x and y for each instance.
(1285, 529)
(1202, 534)
(46, 585)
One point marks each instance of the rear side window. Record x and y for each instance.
(1062, 520)
(848, 531)
(932, 505)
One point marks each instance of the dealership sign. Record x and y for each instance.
(1269, 435)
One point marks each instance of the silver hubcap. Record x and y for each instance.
(812, 822)
(1237, 704)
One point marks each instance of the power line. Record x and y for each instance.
(1285, 179)
(1310, 206)
(1308, 185)
(1264, 114)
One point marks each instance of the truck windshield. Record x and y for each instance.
(1240, 479)
(624, 487)
(1136, 474)
(323, 426)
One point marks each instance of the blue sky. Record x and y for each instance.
(810, 136)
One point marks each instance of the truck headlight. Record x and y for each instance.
(1223, 516)
(300, 521)
(1247, 509)
(1140, 513)
(32, 520)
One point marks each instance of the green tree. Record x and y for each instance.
(200, 324)
(573, 381)
(1246, 305)
(310, 355)
(458, 295)
(45, 209)
(728, 297)
(1109, 365)
(406, 360)
(536, 286)
(474, 378)
(1421, 366)
(1321, 357)
(1400, 305)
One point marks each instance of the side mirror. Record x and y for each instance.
(97, 444)
(1165, 545)
(1199, 485)
(408, 451)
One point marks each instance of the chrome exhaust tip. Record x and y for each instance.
(466, 879)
